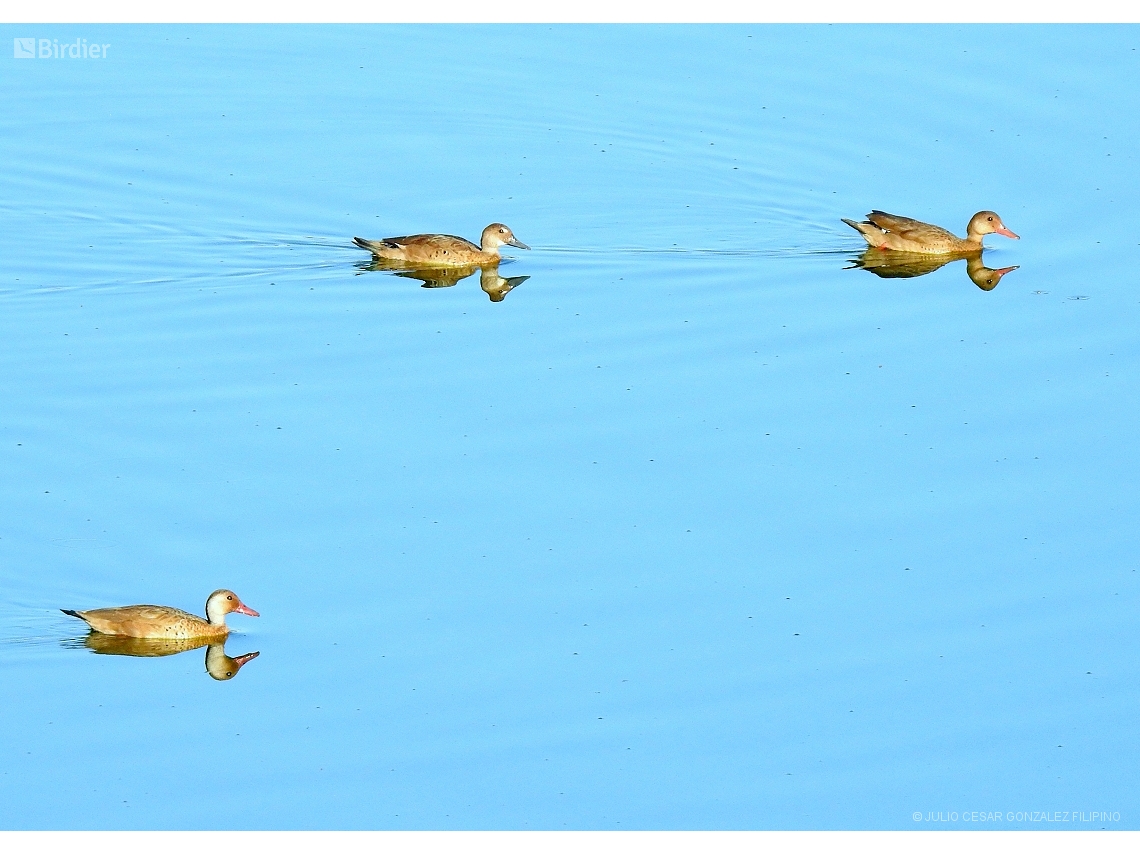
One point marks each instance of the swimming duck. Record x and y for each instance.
(887, 231)
(165, 621)
(443, 250)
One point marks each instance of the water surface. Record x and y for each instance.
(700, 526)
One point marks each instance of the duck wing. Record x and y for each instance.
(139, 621)
(429, 243)
(909, 229)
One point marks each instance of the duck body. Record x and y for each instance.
(443, 250)
(902, 234)
(166, 622)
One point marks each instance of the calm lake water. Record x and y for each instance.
(697, 526)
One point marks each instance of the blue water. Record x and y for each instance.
(699, 527)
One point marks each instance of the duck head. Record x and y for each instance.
(988, 222)
(496, 235)
(222, 602)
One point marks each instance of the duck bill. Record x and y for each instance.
(517, 243)
(243, 609)
(1004, 231)
(1005, 270)
(241, 660)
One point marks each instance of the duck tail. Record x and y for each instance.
(866, 229)
(362, 243)
(72, 612)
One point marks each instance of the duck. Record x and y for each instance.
(166, 622)
(888, 231)
(443, 250)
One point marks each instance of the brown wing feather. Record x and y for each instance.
(909, 229)
(430, 242)
(139, 621)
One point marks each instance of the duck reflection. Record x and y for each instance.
(494, 286)
(218, 664)
(891, 264)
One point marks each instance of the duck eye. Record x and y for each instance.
(229, 598)
(991, 219)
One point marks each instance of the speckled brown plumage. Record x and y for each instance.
(902, 234)
(166, 622)
(443, 250)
